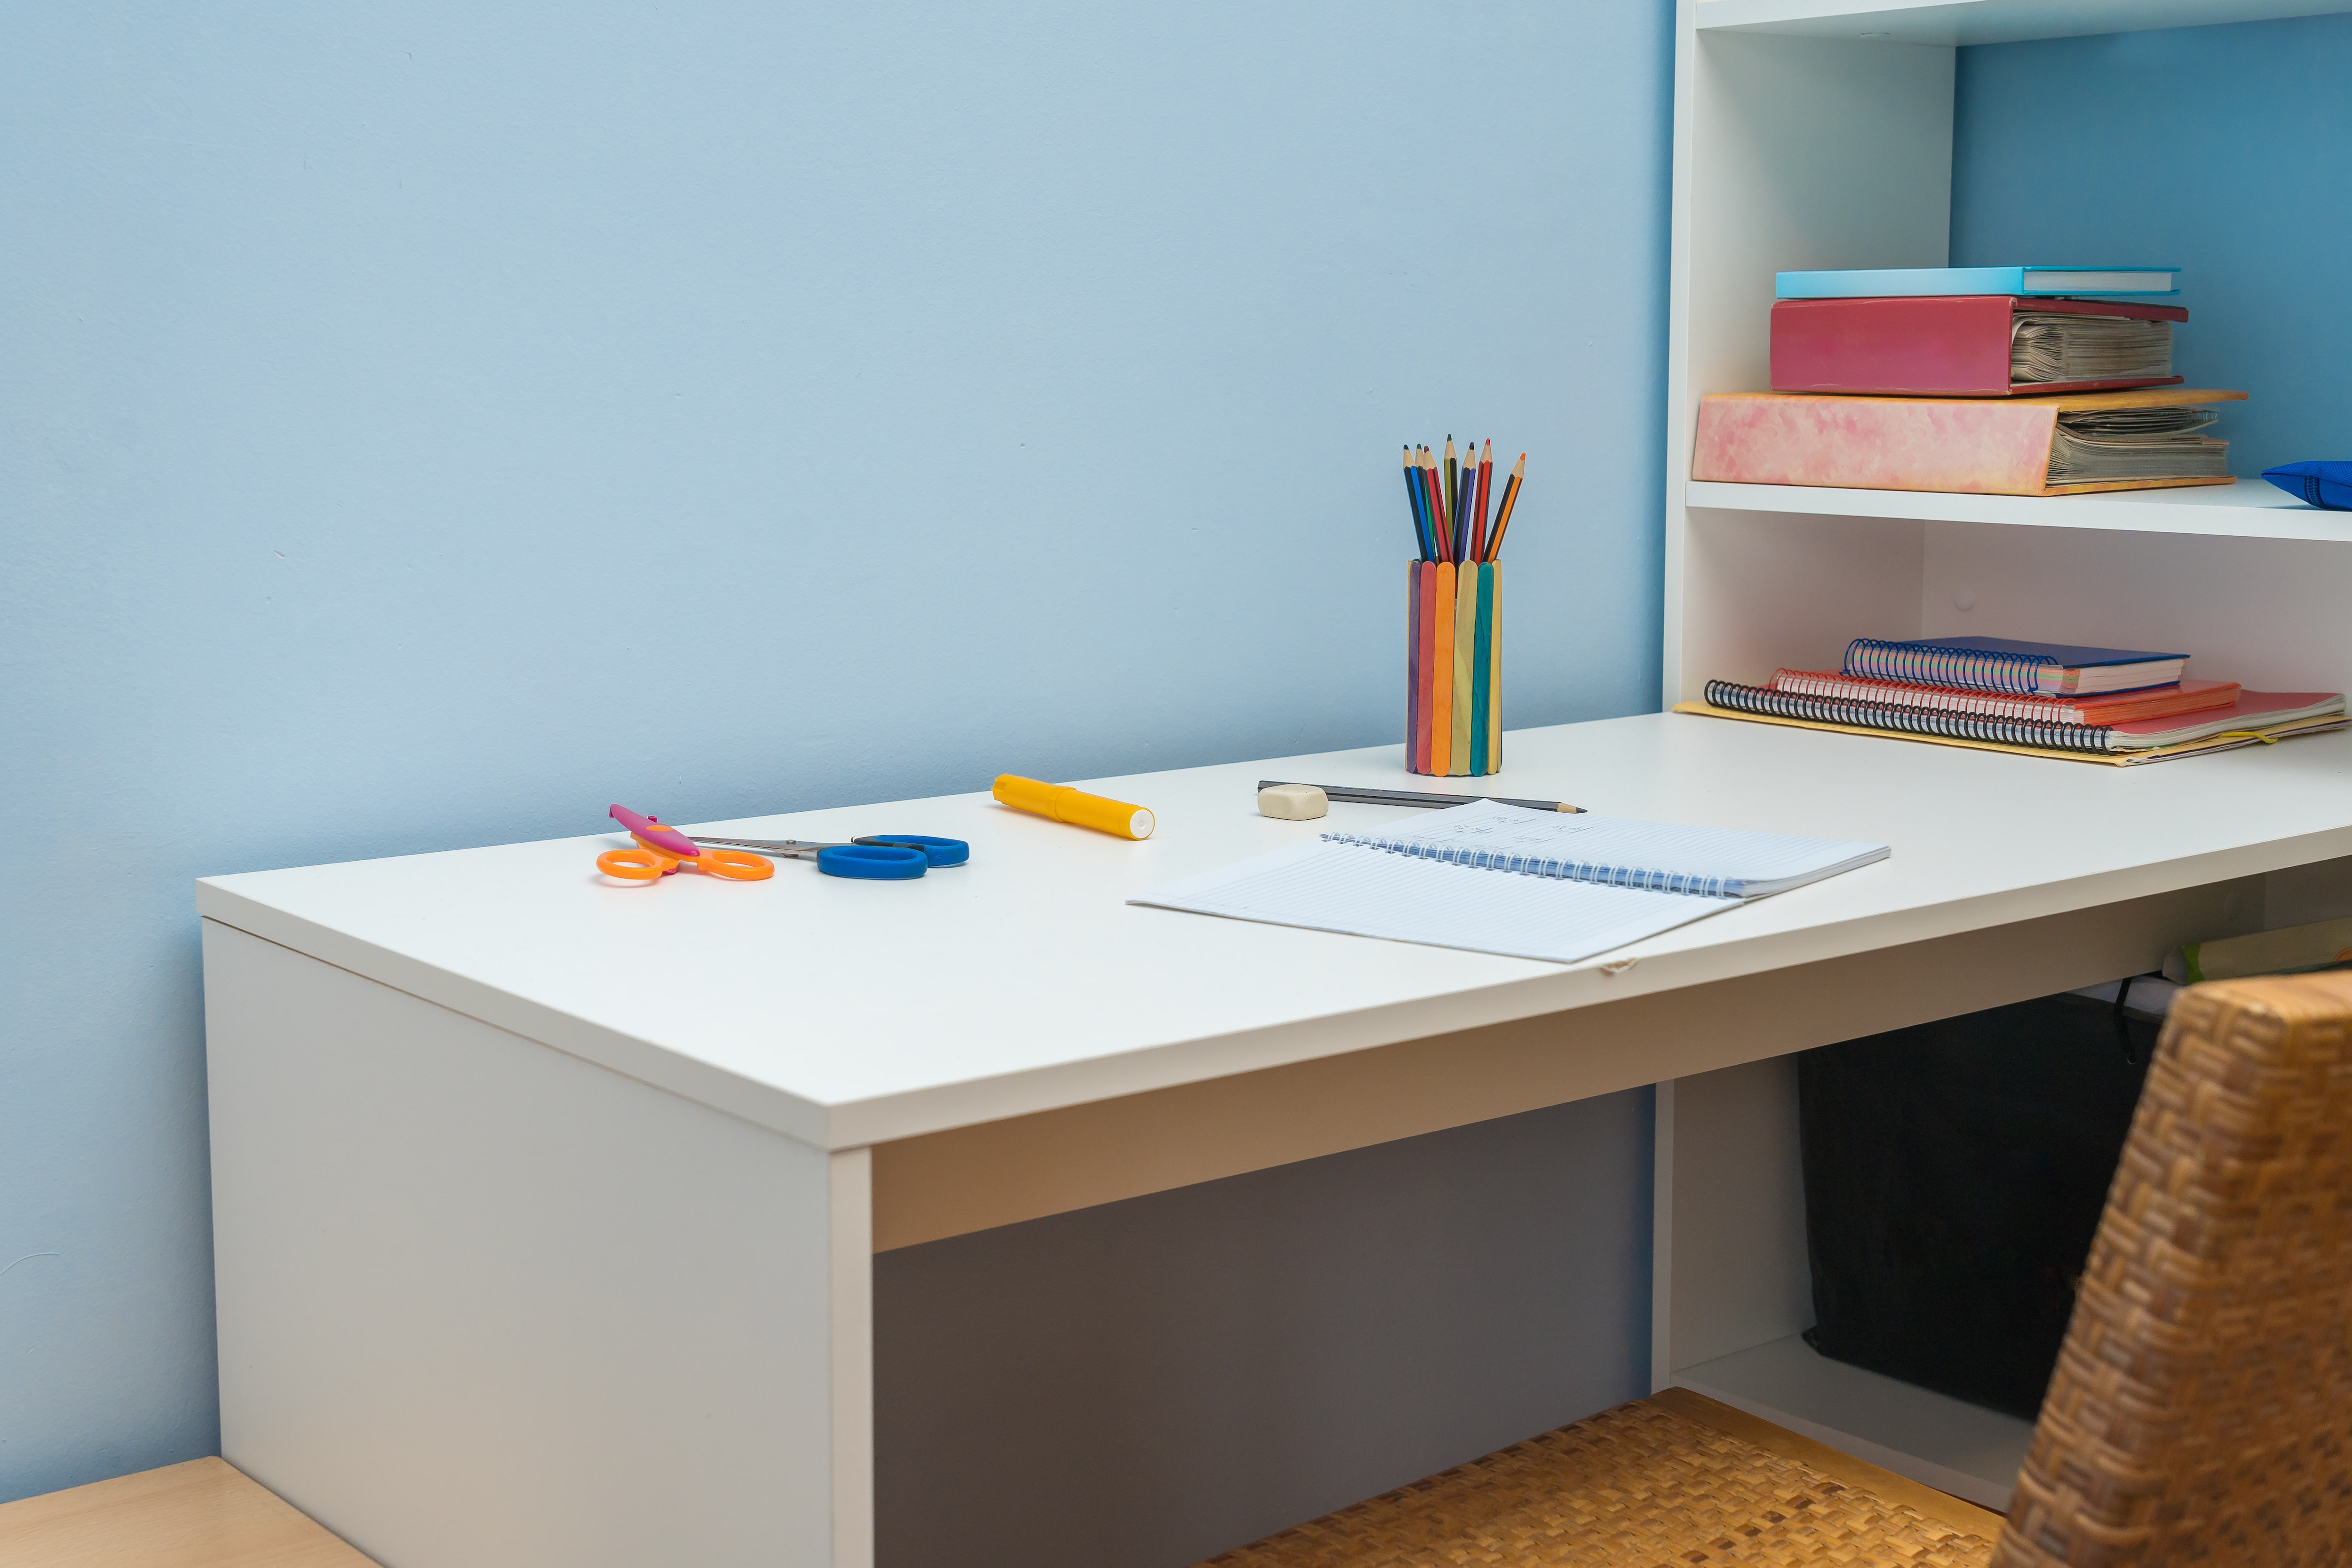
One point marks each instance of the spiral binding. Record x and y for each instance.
(1567, 870)
(1905, 694)
(1927, 664)
(2040, 733)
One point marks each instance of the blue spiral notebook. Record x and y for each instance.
(2009, 665)
(1503, 879)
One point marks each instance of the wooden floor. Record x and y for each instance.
(203, 1514)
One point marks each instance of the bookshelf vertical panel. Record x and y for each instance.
(1788, 152)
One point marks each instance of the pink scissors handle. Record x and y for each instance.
(654, 833)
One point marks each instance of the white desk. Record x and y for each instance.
(470, 1250)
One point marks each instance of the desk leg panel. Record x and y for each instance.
(484, 1305)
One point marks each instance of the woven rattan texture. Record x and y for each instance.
(2201, 1412)
(1634, 1486)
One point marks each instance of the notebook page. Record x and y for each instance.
(1326, 885)
(1729, 862)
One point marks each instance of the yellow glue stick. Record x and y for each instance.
(1065, 804)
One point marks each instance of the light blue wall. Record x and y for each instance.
(2226, 150)
(425, 425)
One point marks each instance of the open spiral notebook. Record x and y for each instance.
(1502, 879)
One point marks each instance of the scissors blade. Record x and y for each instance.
(789, 848)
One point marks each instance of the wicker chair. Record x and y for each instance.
(2201, 1411)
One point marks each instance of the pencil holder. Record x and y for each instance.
(1454, 668)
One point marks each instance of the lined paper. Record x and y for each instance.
(1349, 888)
(1349, 883)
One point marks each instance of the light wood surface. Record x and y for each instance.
(1940, 1506)
(205, 1514)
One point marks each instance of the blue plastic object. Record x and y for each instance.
(873, 863)
(936, 851)
(2327, 485)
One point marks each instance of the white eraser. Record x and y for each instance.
(1293, 803)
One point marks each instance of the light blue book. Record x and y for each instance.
(1883, 282)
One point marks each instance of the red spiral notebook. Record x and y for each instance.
(2100, 707)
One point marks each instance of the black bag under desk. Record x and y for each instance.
(1954, 1175)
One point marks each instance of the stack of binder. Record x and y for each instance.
(2000, 380)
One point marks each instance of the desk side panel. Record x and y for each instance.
(484, 1305)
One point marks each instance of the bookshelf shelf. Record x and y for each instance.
(1955, 22)
(2248, 509)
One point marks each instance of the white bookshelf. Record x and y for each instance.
(1818, 133)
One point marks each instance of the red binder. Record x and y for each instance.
(1950, 345)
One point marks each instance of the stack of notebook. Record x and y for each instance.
(2002, 381)
(2055, 699)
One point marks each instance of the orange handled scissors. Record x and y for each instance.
(662, 851)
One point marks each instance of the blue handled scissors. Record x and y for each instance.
(879, 857)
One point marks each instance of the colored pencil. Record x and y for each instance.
(1454, 500)
(1413, 499)
(1510, 500)
(1439, 521)
(1428, 513)
(1445, 509)
(1463, 486)
(1452, 481)
(1478, 527)
(1471, 516)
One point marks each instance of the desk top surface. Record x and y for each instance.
(846, 1012)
